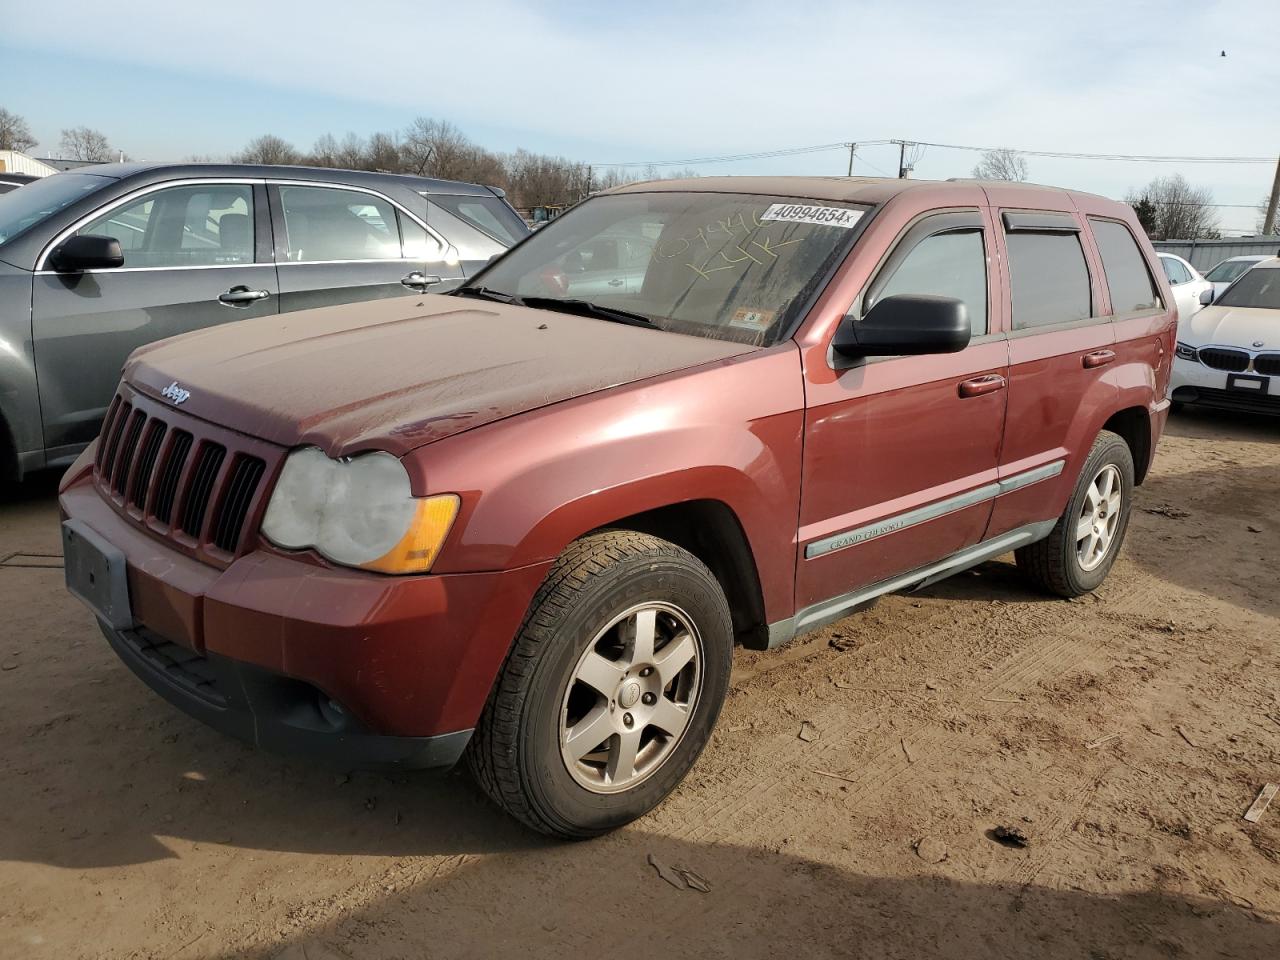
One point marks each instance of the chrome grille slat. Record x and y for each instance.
(245, 476)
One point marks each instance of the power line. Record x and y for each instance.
(1131, 157)
(824, 147)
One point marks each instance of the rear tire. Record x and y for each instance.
(1079, 552)
(574, 757)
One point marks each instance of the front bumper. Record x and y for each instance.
(1194, 383)
(343, 665)
(270, 711)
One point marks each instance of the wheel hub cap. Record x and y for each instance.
(1099, 518)
(630, 698)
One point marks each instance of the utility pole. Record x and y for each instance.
(902, 159)
(1269, 221)
(852, 147)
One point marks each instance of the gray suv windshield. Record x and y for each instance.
(22, 209)
(727, 266)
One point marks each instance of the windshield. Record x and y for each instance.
(1228, 270)
(727, 266)
(20, 210)
(1257, 288)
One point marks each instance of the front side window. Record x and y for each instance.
(20, 210)
(324, 224)
(1259, 287)
(951, 264)
(196, 226)
(487, 214)
(728, 266)
(1049, 282)
(1127, 276)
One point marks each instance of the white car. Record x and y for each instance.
(1228, 354)
(1228, 270)
(1190, 290)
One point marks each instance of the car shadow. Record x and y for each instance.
(746, 902)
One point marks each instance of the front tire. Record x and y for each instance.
(611, 689)
(1079, 552)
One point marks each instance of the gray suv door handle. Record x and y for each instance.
(418, 280)
(242, 296)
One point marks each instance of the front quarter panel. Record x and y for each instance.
(728, 431)
(19, 396)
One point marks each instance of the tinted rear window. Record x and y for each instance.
(1050, 282)
(487, 214)
(1127, 276)
(1228, 270)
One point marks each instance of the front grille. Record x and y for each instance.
(1235, 361)
(191, 482)
(1267, 364)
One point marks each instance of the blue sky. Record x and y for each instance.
(615, 82)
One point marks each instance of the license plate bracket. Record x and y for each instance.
(1248, 383)
(97, 573)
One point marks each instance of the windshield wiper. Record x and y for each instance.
(588, 309)
(484, 293)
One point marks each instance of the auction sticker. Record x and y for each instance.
(806, 213)
(757, 320)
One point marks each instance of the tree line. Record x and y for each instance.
(1169, 208)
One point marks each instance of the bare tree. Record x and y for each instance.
(1259, 226)
(14, 132)
(85, 143)
(268, 149)
(383, 153)
(1001, 164)
(1175, 210)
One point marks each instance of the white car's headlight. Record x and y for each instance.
(358, 512)
(1185, 351)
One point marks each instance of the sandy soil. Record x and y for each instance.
(1123, 734)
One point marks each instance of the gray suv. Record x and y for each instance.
(100, 261)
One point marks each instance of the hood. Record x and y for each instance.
(1232, 327)
(397, 374)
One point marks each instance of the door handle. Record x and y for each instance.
(981, 386)
(1099, 358)
(418, 280)
(242, 296)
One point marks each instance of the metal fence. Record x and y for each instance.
(1206, 254)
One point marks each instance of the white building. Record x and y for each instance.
(11, 161)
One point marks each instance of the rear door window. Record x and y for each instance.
(1049, 281)
(326, 224)
(196, 226)
(1128, 278)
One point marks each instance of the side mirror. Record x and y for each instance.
(87, 252)
(906, 324)
(1206, 297)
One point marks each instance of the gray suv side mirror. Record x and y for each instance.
(87, 252)
(906, 324)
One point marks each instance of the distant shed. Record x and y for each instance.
(11, 161)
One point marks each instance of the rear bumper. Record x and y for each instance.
(360, 668)
(271, 711)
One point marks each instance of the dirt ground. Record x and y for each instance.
(1123, 734)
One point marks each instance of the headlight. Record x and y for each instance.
(358, 512)
(1185, 352)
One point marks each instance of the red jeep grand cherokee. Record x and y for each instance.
(525, 523)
